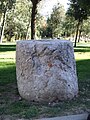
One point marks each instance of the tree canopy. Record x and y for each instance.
(79, 13)
(55, 22)
(85, 4)
(20, 19)
(5, 6)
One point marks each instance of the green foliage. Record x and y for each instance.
(86, 27)
(56, 19)
(69, 26)
(46, 31)
(76, 11)
(18, 20)
(40, 24)
(6, 4)
(85, 4)
(79, 14)
(55, 22)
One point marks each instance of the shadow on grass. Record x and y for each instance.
(11, 105)
(82, 49)
(9, 96)
(83, 70)
(4, 48)
(7, 73)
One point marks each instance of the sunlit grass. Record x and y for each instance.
(82, 56)
(8, 56)
(7, 52)
(82, 52)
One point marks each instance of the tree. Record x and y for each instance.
(22, 18)
(85, 4)
(80, 31)
(79, 13)
(5, 6)
(57, 18)
(40, 25)
(46, 29)
(68, 26)
(55, 22)
(86, 28)
(33, 17)
(18, 21)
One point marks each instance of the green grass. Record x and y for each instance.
(11, 104)
(5, 48)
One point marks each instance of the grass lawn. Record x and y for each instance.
(11, 104)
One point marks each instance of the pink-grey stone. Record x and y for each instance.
(46, 70)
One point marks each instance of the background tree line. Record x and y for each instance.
(19, 17)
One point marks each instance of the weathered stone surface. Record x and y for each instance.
(46, 70)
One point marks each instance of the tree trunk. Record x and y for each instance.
(29, 21)
(79, 36)
(9, 38)
(2, 26)
(77, 29)
(33, 19)
(27, 31)
(80, 31)
(1, 21)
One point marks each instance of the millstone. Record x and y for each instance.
(46, 70)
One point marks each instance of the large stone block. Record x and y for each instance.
(46, 70)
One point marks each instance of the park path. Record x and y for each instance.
(70, 117)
